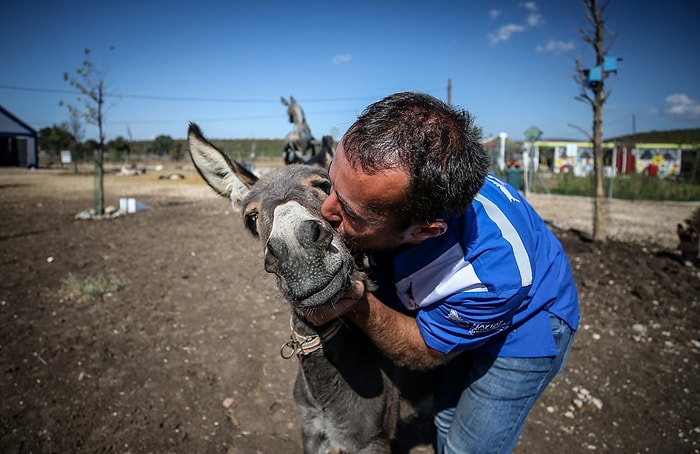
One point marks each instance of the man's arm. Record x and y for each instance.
(394, 333)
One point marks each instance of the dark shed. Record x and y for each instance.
(18, 142)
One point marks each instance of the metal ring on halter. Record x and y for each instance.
(288, 349)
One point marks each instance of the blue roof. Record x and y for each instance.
(10, 125)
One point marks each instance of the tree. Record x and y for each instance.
(77, 129)
(592, 92)
(55, 139)
(128, 144)
(89, 148)
(162, 145)
(75, 126)
(121, 146)
(90, 82)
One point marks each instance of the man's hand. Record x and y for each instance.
(395, 333)
(346, 303)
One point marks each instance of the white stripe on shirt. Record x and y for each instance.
(511, 235)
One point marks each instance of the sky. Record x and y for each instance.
(225, 64)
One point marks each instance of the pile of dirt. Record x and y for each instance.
(159, 331)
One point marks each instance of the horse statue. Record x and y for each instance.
(299, 140)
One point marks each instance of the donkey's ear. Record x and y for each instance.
(228, 178)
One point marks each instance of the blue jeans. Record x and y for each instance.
(482, 404)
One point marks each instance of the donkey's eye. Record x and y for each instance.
(251, 222)
(324, 186)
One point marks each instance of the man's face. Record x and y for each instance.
(353, 206)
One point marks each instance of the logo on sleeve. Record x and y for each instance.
(503, 189)
(477, 329)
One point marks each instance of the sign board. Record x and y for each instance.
(533, 134)
(66, 157)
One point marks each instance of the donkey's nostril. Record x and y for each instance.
(315, 233)
(270, 261)
(272, 256)
(324, 237)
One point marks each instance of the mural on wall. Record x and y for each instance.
(574, 159)
(661, 162)
(655, 159)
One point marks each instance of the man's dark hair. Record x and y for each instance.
(437, 144)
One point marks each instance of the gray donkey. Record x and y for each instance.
(347, 393)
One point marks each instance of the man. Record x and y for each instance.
(470, 278)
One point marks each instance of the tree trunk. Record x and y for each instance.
(599, 211)
(99, 193)
(99, 200)
(599, 92)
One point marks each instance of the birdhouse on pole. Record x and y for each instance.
(610, 65)
(594, 76)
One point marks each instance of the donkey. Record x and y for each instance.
(346, 392)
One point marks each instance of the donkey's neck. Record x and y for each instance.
(303, 327)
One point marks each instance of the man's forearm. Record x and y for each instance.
(396, 334)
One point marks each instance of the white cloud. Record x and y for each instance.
(681, 106)
(534, 19)
(341, 58)
(505, 32)
(555, 47)
(494, 13)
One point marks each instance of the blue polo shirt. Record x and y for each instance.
(489, 282)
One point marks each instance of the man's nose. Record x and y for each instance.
(330, 211)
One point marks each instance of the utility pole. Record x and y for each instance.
(449, 92)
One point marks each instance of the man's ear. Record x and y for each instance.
(432, 229)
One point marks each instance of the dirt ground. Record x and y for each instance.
(182, 356)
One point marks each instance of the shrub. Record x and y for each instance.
(89, 287)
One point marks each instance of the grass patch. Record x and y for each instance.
(627, 187)
(630, 187)
(89, 288)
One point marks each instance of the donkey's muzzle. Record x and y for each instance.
(310, 241)
(310, 260)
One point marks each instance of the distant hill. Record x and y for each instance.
(676, 136)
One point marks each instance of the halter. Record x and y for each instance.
(305, 345)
